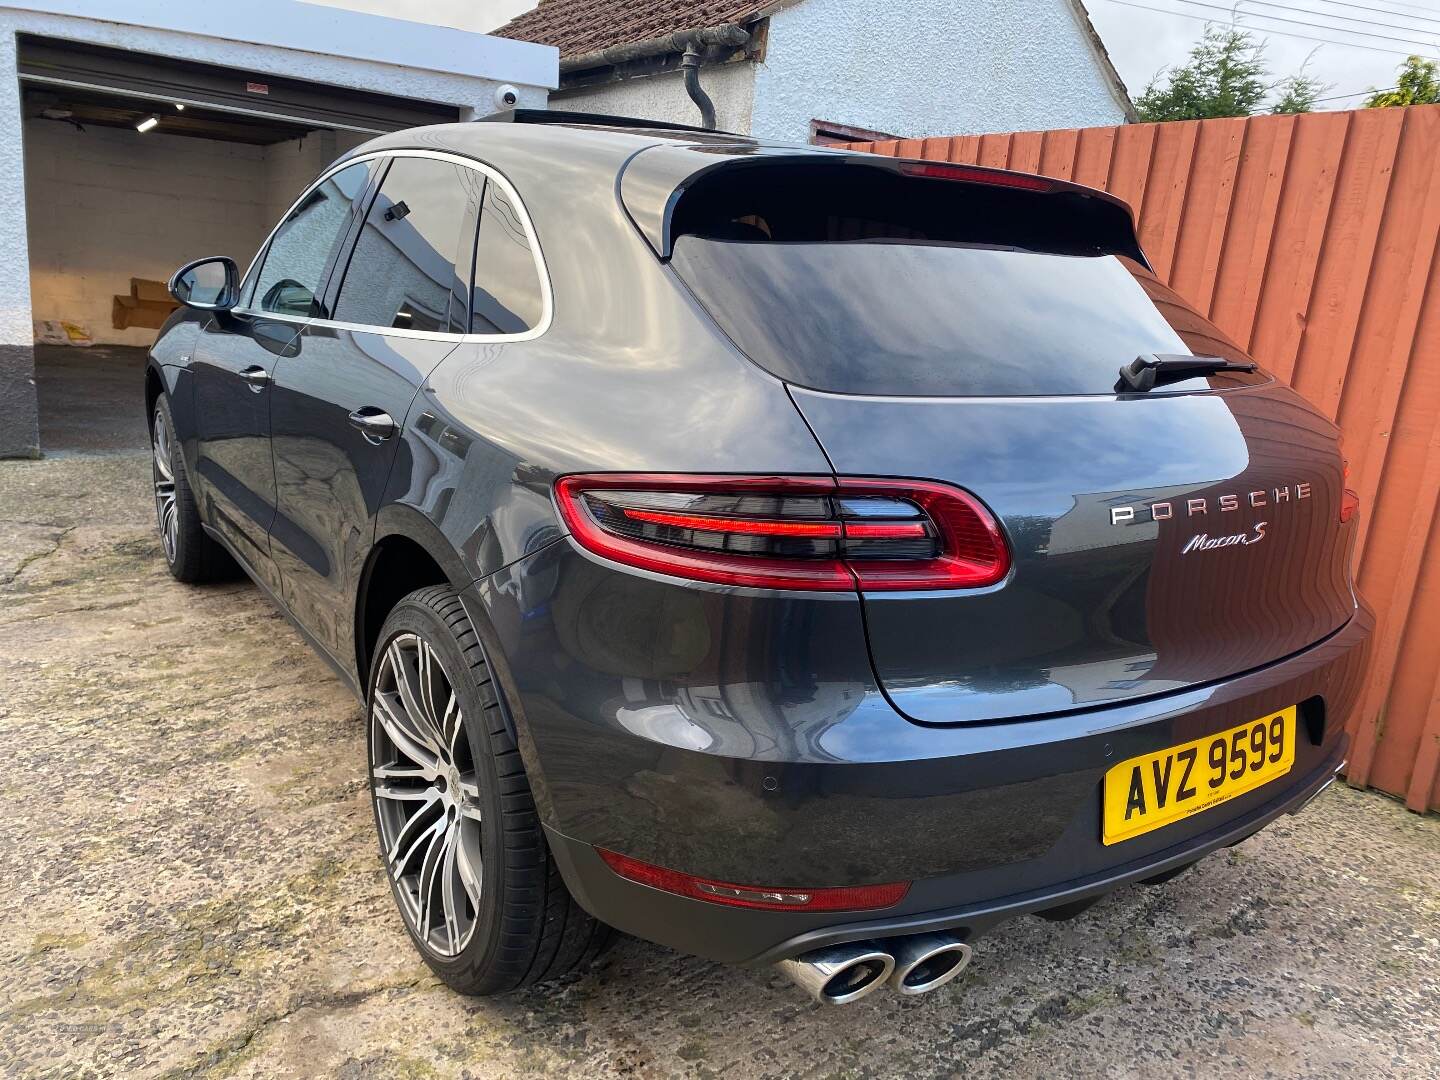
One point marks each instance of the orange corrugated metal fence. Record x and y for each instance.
(1311, 240)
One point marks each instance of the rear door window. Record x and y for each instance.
(412, 258)
(292, 275)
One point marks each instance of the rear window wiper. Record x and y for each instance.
(1150, 369)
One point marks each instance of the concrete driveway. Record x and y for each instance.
(191, 887)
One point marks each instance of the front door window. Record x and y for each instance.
(292, 276)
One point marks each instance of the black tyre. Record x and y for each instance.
(189, 553)
(460, 838)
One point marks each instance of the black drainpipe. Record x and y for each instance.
(692, 44)
(690, 64)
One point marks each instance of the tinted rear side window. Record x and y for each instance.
(403, 272)
(507, 297)
(874, 284)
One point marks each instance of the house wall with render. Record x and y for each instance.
(662, 97)
(932, 67)
(912, 67)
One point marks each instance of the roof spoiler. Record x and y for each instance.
(655, 180)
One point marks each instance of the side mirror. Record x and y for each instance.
(211, 284)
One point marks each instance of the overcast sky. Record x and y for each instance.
(1142, 41)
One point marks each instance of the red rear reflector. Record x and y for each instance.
(936, 170)
(850, 898)
(806, 533)
(1350, 503)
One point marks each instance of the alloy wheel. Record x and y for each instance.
(166, 511)
(427, 795)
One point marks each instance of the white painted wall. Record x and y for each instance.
(106, 204)
(930, 67)
(14, 282)
(325, 31)
(663, 97)
(472, 94)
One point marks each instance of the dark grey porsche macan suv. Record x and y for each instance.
(787, 555)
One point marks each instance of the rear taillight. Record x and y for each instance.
(1349, 500)
(812, 533)
(844, 898)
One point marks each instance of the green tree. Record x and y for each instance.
(1298, 94)
(1417, 84)
(1225, 75)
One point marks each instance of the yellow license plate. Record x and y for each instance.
(1153, 790)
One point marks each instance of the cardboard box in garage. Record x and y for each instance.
(148, 305)
(152, 291)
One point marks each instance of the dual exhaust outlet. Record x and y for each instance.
(915, 964)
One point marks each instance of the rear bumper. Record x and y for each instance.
(763, 753)
(756, 938)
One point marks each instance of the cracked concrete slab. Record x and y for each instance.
(191, 888)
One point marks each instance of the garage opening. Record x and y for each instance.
(135, 164)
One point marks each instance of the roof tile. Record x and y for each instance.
(579, 27)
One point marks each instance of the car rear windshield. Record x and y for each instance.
(960, 291)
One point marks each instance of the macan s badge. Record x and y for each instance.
(1224, 504)
(1206, 542)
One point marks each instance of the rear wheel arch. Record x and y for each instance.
(409, 553)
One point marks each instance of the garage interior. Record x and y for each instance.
(135, 164)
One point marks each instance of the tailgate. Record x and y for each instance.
(1159, 542)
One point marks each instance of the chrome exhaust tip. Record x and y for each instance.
(924, 962)
(840, 974)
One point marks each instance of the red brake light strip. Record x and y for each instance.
(855, 530)
(748, 526)
(939, 170)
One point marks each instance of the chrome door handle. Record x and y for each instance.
(257, 377)
(375, 425)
